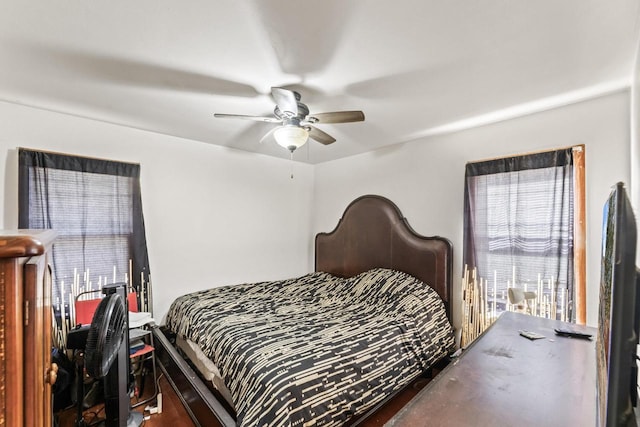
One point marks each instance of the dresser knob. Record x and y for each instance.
(52, 374)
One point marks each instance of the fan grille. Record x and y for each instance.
(106, 334)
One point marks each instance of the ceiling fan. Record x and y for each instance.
(296, 124)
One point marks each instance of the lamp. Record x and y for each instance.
(291, 137)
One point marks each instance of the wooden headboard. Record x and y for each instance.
(373, 233)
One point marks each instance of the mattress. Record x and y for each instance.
(319, 349)
(208, 370)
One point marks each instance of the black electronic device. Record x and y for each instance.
(619, 311)
(572, 334)
(77, 337)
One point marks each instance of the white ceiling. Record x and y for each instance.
(415, 67)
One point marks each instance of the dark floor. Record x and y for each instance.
(174, 414)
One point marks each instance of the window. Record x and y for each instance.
(524, 229)
(95, 207)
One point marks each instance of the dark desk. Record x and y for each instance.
(503, 379)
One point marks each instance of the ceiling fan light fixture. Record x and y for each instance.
(297, 125)
(291, 137)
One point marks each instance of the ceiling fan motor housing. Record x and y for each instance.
(303, 111)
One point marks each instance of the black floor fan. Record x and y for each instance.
(107, 356)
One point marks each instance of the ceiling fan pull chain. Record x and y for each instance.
(291, 160)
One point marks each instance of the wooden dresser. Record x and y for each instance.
(26, 372)
(504, 379)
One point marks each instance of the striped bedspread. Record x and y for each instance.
(316, 350)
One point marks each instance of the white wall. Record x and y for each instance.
(213, 215)
(218, 216)
(425, 178)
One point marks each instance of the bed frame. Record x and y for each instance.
(371, 233)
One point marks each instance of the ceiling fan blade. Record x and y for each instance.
(244, 117)
(269, 134)
(84, 64)
(286, 100)
(337, 117)
(320, 136)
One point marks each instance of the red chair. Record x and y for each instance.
(85, 308)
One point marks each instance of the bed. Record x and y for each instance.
(333, 345)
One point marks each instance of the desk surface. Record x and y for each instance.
(505, 379)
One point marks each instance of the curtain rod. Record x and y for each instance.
(579, 147)
(58, 153)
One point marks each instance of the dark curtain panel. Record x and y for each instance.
(518, 226)
(95, 206)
